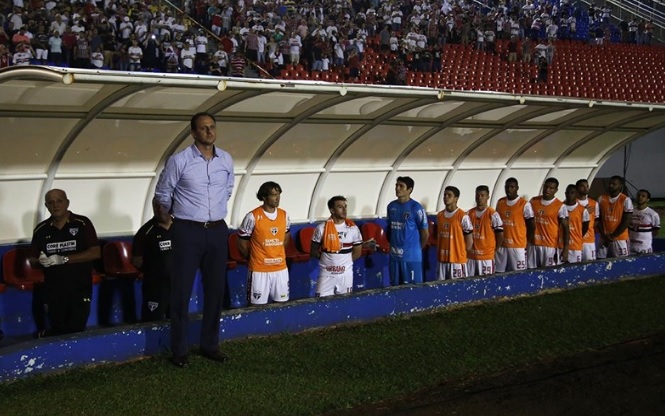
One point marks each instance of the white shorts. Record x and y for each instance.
(269, 285)
(540, 256)
(449, 271)
(41, 54)
(479, 267)
(334, 284)
(509, 259)
(574, 256)
(641, 250)
(617, 248)
(588, 251)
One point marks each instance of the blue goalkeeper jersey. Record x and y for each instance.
(404, 224)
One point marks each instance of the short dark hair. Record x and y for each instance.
(512, 180)
(571, 186)
(197, 116)
(618, 178)
(646, 192)
(581, 181)
(453, 189)
(331, 201)
(265, 189)
(481, 188)
(406, 180)
(553, 180)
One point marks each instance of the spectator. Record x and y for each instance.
(5, 57)
(222, 59)
(135, 55)
(55, 48)
(152, 254)
(69, 42)
(97, 58)
(264, 234)
(238, 64)
(67, 245)
(151, 53)
(188, 57)
(82, 51)
(337, 243)
(23, 55)
(454, 237)
(40, 44)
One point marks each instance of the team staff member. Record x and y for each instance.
(550, 219)
(616, 210)
(578, 225)
(454, 240)
(264, 235)
(152, 253)
(407, 233)
(195, 187)
(517, 217)
(644, 225)
(337, 243)
(487, 234)
(67, 245)
(589, 246)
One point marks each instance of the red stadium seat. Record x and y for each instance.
(17, 270)
(292, 253)
(371, 230)
(305, 239)
(431, 240)
(234, 252)
(117, 260)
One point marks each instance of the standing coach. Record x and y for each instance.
(195, 186)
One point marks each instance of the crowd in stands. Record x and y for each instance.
(229, 36)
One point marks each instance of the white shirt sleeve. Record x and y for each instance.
(247, 225)
(528, 211)
(467, 226)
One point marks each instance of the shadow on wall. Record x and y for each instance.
(106, 217)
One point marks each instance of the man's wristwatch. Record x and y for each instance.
(65, 260)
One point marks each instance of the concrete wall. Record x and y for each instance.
(124, 343)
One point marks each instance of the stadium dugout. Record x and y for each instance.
(105, 136)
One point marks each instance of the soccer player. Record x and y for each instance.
(264, 234)
(578, 224)
(550, 219)
(517, 216)
(616, 211)
(589, 246)
(407, 233)
(644, 225)
(487, 234)
(454, 240)
(337, 243)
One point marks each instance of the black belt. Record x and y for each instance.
(207, 224)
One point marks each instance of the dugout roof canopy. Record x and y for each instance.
(104, 136)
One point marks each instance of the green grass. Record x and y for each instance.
(320, 371)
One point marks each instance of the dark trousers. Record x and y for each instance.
(68, 312)
(156, 298)
(197, 248)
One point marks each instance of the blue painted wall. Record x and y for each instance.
(127, 342)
